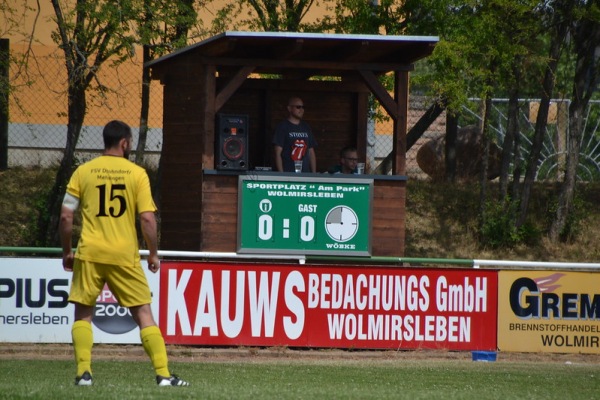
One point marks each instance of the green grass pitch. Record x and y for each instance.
(290, 378)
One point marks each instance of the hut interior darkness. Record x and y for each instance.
(253, 74)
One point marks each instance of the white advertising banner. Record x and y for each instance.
(34, 305)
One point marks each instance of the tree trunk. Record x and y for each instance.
(541, 121)
(512, 131)
(450, 147)
(49, 217)
(567, 189)
(586, 77)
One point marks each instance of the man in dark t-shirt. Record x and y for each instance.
(293, 140)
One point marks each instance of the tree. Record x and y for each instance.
(495, 48)
(356, 16)
(280, 16)
(586, 38)
(265, 15)
(516, 61)
(90, 34)
(560, 20)
(512, 29)
(163, 27)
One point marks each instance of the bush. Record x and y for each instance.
(499, 230)
(572, 227)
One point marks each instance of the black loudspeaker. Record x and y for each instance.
(231, 152)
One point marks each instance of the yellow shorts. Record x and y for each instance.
(128, 284)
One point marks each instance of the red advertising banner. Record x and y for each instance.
(328, 306)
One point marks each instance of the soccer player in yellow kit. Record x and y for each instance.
(111, 190)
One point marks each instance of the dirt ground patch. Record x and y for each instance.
(28, 351)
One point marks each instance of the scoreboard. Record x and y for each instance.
(304, 215)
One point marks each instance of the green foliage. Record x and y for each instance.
(449, 62)
(357, 16)
(265, 15)
(504, 47)
(39, 210)
(574, 221)
(92, 32)
(481, 45)
(21, 200)
(223, 17)
(163, 25)
(499, 230)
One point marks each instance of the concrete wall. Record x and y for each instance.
(43, 145)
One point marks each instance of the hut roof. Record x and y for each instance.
(305, 54)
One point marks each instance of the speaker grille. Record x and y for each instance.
(231, 150)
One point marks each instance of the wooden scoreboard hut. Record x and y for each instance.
(252, 75)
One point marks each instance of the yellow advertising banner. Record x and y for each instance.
(549, 311)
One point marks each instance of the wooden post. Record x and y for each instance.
(400, 130)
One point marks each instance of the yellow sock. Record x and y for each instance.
(83, 341)
(154, 344)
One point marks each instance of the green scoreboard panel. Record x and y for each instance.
(304, 215)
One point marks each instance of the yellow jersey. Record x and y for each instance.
(111, 192)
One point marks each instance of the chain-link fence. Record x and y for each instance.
(37, 132)
(38, 127)
(556, 139)
(42, 145)
(555, 145)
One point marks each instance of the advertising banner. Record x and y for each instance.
(34, 306)
(307, 215)
(328, 306)
(546, 311)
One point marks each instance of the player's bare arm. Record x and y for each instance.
(70, 204)
(149, 231)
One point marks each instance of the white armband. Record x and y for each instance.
(71, 202)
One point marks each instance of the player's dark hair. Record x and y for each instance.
(113, 132)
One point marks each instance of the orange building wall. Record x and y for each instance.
(40, 91)
(39, 94)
